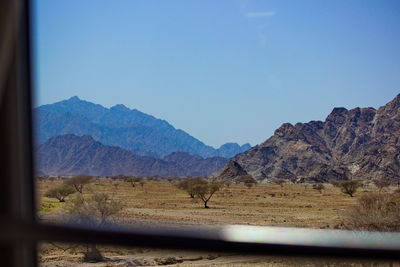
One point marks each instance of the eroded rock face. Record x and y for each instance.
(362, 143)
(231, 172)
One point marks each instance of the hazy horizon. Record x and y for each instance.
(223, 71)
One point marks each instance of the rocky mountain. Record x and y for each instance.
(72, 155)
(361, 143)
(120, 126)
(232, 172)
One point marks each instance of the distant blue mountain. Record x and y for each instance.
(120, 126)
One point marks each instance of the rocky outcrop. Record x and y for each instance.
(362, 143)
(232, 171)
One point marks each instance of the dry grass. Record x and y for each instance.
(266, 205)
(292, 205)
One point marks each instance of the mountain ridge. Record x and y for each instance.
(132, 129)
(72, 155)
(360, 143)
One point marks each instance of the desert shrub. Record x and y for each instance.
(319, 187)
(95, 211)
(349, 187)
(374, 212)
(381, 183)
(79, 182)
(60, 192)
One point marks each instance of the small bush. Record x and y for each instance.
(374, 212)
(60, 192)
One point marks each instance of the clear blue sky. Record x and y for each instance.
(221, 70)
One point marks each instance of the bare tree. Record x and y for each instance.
(205, 191)
(79, 182)
(60, 192)
(381, 183)
(349, 187)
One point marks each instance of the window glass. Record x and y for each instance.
(69, 254)
(199, 113)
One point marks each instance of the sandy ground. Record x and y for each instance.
(155, 203)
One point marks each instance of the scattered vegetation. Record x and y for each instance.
(371, 211)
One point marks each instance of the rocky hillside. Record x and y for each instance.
(72, 155)
(120, 126)
(361, 143)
